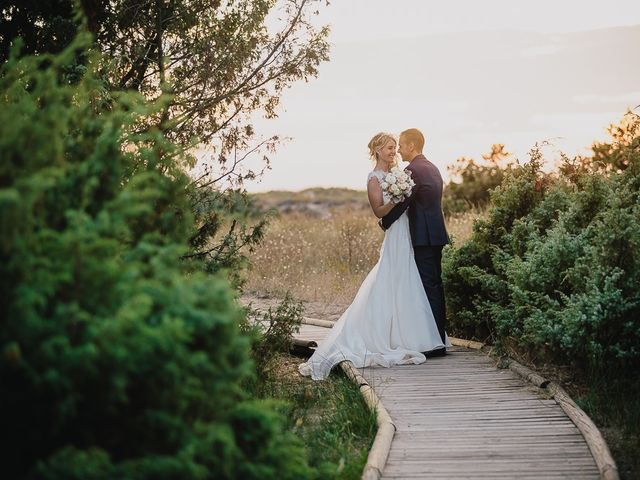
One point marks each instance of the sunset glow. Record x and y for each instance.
(468, 74)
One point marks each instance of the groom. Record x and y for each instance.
(426, 222)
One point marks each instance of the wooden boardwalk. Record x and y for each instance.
(459, 417)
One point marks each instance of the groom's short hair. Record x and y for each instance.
(413, 135)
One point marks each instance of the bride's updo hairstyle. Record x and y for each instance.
(378, 141)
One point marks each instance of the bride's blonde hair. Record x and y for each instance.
(378, 141)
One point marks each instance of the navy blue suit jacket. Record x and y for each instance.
(426, 220)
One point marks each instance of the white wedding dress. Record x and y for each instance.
(389, 321)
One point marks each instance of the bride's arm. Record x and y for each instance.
(374, 191)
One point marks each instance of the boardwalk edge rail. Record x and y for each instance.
(379, 451)
(595, 441)
(386, 429)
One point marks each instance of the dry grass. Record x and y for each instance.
(317, 260)
(331, 197)
(325, 260)
(460, 227)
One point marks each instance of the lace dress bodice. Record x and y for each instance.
(379, 174)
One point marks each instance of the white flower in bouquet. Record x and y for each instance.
(397, 184)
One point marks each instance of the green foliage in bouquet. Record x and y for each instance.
(554, 269)
(118, 360)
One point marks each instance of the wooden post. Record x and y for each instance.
(305, 343)
(386, 429)
(595, 440)
(318, 323)
(460, 342)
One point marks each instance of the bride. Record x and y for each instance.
(389, 321)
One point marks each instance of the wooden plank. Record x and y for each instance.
(458, 416)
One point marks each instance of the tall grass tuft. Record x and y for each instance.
(330, 417)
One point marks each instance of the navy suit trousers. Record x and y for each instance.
(429, 262)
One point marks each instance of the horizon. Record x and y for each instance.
(467, 75)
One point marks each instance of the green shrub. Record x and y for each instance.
(117, 360)
(272, 332)
(555, 267)
(474, 285)
(473, 182)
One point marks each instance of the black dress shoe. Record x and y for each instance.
(438, 352)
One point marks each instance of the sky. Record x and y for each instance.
(467, 73)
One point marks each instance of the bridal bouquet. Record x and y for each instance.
(397, 184)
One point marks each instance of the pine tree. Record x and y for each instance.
(117, 359)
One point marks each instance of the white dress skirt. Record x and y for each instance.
(390, 321)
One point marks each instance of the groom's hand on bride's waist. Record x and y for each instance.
(381, 226)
